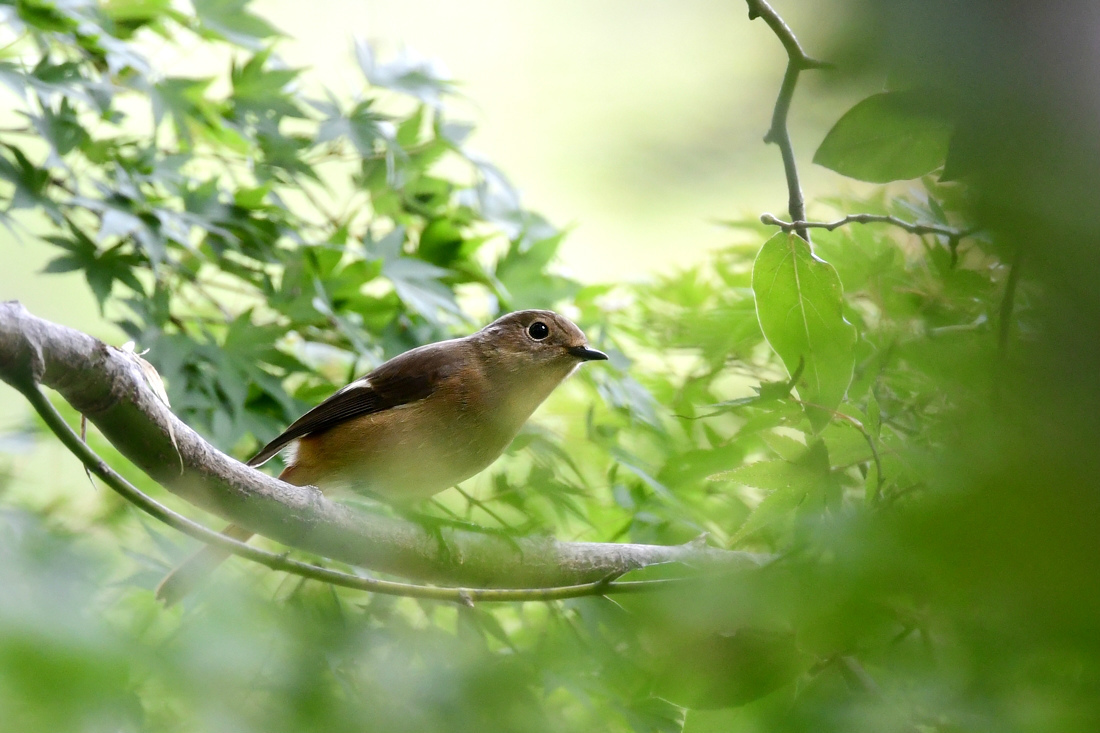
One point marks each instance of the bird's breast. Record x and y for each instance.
(407, 453)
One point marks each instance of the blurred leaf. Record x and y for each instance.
(888, 137)
(45, 16)
(408, 73)
(365, 128)
(727, 669)
(788, 483)
(418, 284)
(440, 242)
(29, 181)
(232, 20)
(184, 101)
(60, 128)
(261, 89)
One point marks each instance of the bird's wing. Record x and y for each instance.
(406, 378)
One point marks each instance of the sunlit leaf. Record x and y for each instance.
(233, 20)
(888, 137)
(799, 303)
(788, 483)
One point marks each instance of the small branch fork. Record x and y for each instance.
(797, 62)
(953, 235)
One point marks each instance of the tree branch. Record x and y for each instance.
(953, 235)
(1008, 302)
(105, 384)
(797, 61)
(155, 509)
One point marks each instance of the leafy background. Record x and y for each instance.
(905, 423)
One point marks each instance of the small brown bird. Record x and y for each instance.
(421, 422)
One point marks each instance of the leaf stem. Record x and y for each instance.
(1004, 327)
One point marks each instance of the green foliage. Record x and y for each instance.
(232, 219)
(891, 136)
(870, 410)
(799, 303)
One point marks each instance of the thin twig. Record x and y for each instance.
(797, 61)
(324, 212)
(158, 511)
(953, 235)
(761, 9)
(856, 676)
(778, 134)
(199, 288)
(84, 439)
(858, 425)
(474, 501)
(850, 670)
(1008, 302)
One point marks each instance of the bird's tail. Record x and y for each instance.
(189, 574)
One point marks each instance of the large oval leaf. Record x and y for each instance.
(892, 136)
(799, 303)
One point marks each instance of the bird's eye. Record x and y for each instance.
(538, 330)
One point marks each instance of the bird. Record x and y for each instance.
(420, 423)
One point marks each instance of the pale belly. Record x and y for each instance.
(401, 455)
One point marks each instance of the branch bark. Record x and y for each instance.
(953, 235)
(797, 62)
(106, 385)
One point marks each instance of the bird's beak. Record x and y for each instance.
(584, 353)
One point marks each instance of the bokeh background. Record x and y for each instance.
(638, 126)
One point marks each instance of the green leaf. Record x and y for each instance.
(230, 19)
(260, 89)
(765, 393)
(60, 129)
(891, 136)
(135, 10)
(184, 101)
(408, 132)
(784, 446)
(440, 242)
(424, 79)
(45, 16)
(101, 267)
(365, 128)
(30, 183)
(799, 303)
(523, 272)
(788, 483)
(418, 284)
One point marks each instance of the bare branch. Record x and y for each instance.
(1008, 302)
(465, 596)
(761, 9)
(797, 61)
(952, 234)
(104, 384)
